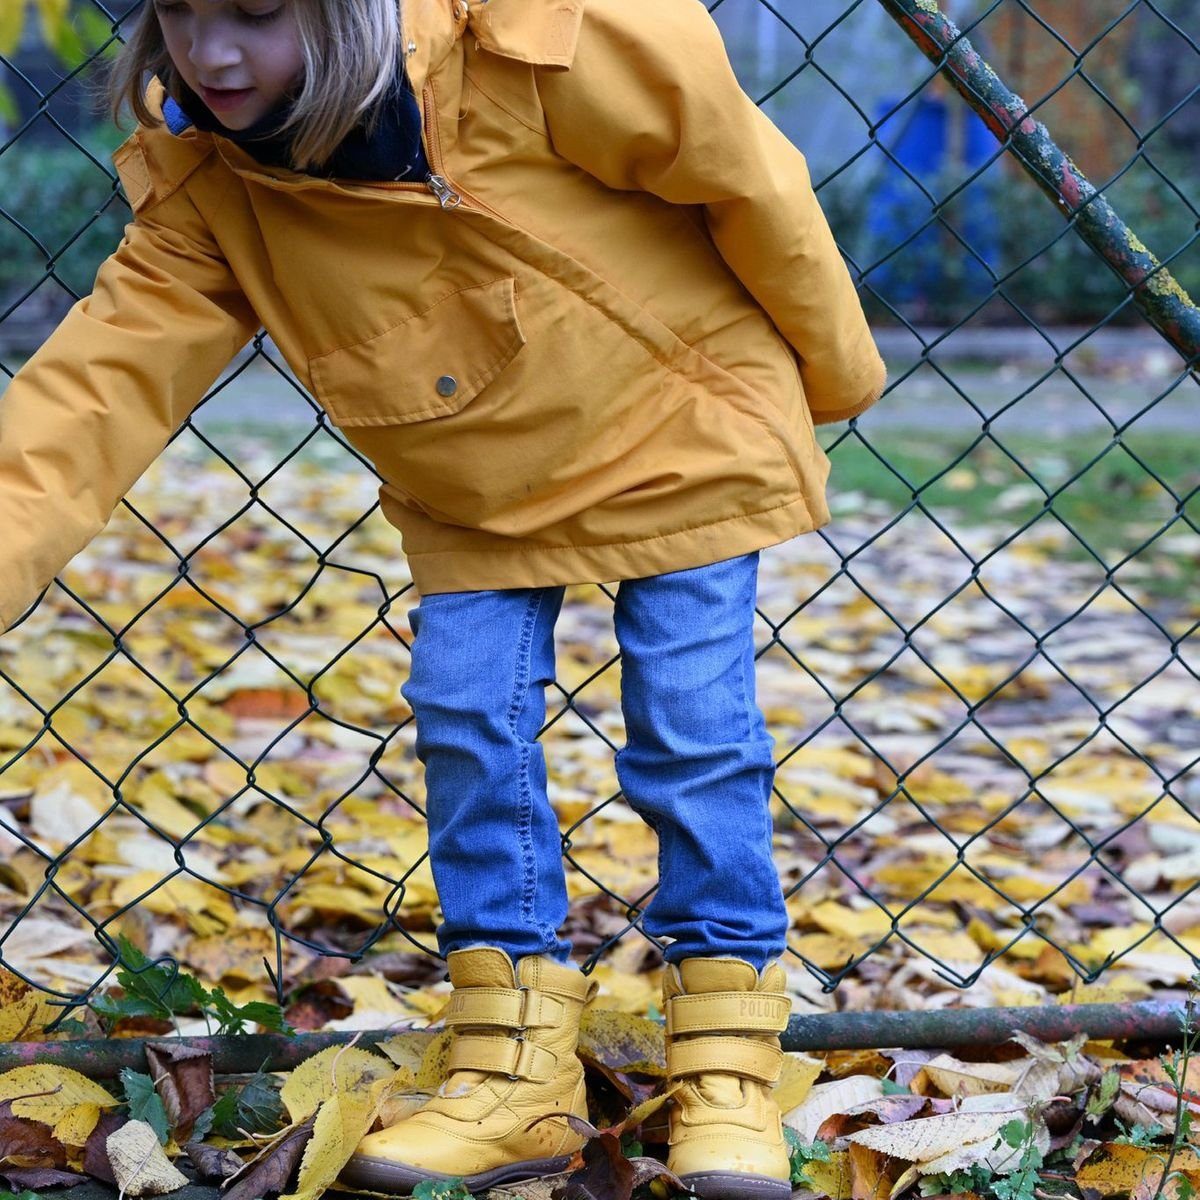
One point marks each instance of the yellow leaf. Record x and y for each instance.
(622, 1041)
(407, 1050)
(952, 1077)
(432, 1070)
(624, 990)
(23, 1011)
(396, 1098)
(12, 19)
(314, 1081)
(840, 919)
(205, 908)
(833, 1178)
(798, 1075)
(341, 1123)
(1118, 1169)
(56, 1096)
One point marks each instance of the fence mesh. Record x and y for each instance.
(980, 676)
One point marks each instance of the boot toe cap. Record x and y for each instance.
(732, 1154)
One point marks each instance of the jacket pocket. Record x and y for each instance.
(430, 364)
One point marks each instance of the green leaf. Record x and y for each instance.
(1140, 1135)
(202, 1125)
(1101, 1100)
(117, 1007)
(173, 992)
(976, 1179)
(441, 1189)
(224, 1114)
(144, 1102)
(259, 1107)
(800, 1154)
(1015, 1131)
(890, 1088)
(234, 1018)
(22, 1196)
(74, 1027)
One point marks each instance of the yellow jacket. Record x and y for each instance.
(593, 349)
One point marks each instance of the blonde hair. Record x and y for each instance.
(352, 52)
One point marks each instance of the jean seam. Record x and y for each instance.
(525, 809)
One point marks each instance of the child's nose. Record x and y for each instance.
(212, 52)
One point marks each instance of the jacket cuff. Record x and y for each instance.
(826, 417)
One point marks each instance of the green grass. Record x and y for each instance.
(1097, 488)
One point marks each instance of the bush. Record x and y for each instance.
(67, 203)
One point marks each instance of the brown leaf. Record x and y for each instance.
(271, 1172)
(40, 1177)
(605, 1173)
(183, 1078)
(872, 1173)
(267, 702)
(400, 966)
(317, 1005)
(32, 1143)
(95, 1150)
(212, 1162)
(646, 1169)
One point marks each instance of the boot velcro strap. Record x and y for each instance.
(743, 1012)
(730, 1055)
(502, 1056)
(513, 1008)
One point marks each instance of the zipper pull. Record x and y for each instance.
(447, 196)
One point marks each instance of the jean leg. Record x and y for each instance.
(480, 665)
(698, 763)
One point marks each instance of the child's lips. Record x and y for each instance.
(224, 99)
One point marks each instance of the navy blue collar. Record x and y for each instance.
(392, 152)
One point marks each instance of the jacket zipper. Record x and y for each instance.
(449, 194)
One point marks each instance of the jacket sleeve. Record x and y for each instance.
(101, 398)
(651, 102)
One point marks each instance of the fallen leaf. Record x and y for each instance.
(183, 1078)
(340, 1124)
(57, 1096)
(139, 1164)
(273, 1169)
(313, 1082)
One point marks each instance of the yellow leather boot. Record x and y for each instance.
(512, 1060)
(722, 1024)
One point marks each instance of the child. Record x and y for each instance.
(556, 276)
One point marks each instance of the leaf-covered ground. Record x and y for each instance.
(974, 760)
(1022, 1121)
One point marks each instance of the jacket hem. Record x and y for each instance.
(525, 565)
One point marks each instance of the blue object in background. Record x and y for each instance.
(935, 261)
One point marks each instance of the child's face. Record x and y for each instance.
(239, 56)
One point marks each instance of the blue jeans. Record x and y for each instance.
(697, 766)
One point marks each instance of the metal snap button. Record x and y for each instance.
(447, 385)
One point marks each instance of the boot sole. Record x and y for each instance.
(732, 1185)
(399, 1179)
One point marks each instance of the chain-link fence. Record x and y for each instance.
(981, 676)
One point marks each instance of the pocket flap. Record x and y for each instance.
(428, 365)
